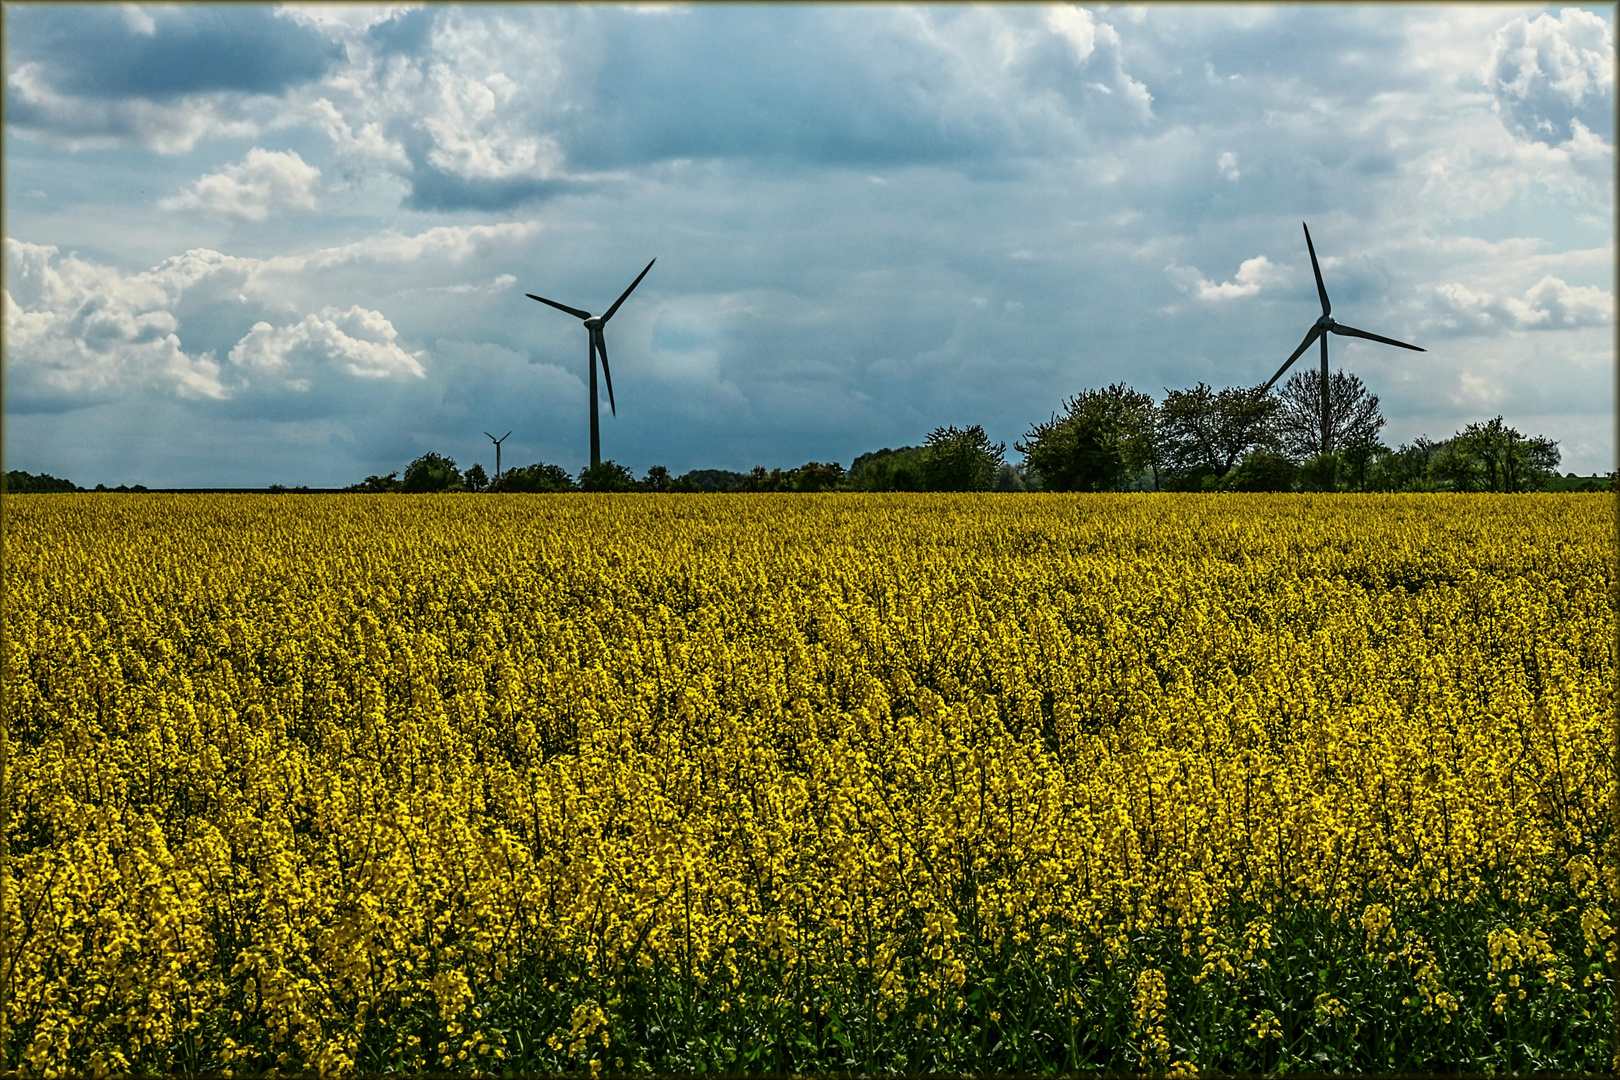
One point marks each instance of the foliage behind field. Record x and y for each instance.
(910, 782)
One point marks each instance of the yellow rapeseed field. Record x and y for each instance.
(610, 784)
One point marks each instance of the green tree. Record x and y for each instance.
(1406, 468)
(1010, 478)
(476, 479)
(1454, 468)
(710, 480)
(961, 460)
(761, 479)
(538, 478)
(431, 472)
(377, 484)
(19, 482)
(1357, 455)
(658, 479)
(1143, 446)
(1262, 469)
(1505, 460)
(606, 476)
(1201, 434)
(888, 470)
(1102, 440)
(815, 476)
(1320, 472)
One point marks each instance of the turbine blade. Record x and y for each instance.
(601, 347)
(491, 437)
(1316, 332)
(506, 436)
(609, 314)
(1321, 290)
(1350, 331)
(575, 312)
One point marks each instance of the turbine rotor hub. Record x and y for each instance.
(1326, 322)
(594, 322)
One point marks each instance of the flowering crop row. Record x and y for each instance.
(897, 782)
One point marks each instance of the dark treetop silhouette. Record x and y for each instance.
(1322, 328)
(497, 443)
(593, 331)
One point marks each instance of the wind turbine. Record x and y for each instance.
(497, 443)
(1322, 328)
(593, 331)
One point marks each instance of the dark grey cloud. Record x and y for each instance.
(791, 83)
(775, 88)
(101, 51)
(434, 189)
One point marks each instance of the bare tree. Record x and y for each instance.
(1353, 416)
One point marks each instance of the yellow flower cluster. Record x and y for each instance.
(288, 772)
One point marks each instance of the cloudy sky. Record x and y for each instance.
(253, 245)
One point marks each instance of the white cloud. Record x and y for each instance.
(1227, 165)
(359, 341)
(1481, 167)
(1549, 304)
(478, 134)
(501, 283)
(138, 20)
(471, 101)
(1078, 26)
(263, 182)
(1552, 303)
(1550, 72)
(1463, 309)
(84, 331)
(342, 22)
(1136, 92)
(77, 331)
(446, 243)
(1252, 276)
(359, 149)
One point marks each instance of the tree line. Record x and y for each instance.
(951, 459)
(1115, 438)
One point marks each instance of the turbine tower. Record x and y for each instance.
(597, 344)
(497, 443)
(1321, 329)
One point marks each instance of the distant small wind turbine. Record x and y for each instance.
(497, 443)
(593, 330)
(1321, 329)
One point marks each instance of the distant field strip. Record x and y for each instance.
(786, 783)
